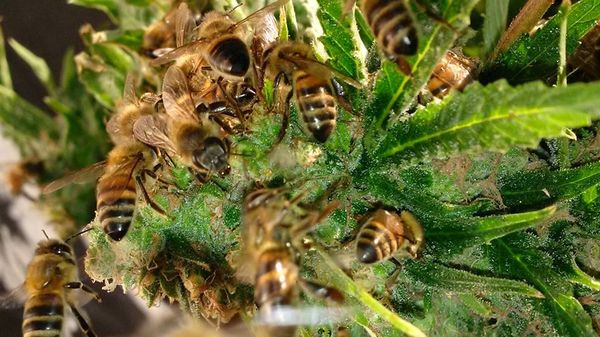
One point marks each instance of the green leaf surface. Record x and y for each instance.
(109, 7)
(531, 58)
(459, 281)
(567, 314)
(475, 231)
(338, 38)
(494, 117)
(496, 13)
(5, 79)
(38, 65)
(542, 187)
(24, 119)
(434, 40)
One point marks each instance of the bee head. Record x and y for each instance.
(52, 246)
(212, 156)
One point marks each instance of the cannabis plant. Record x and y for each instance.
(503, 176)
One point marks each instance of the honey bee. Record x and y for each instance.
(312, 83)
(454, 71)
(200, 142)
(21, 173)
(393, 26)
(271, 242)
(221, 43)
(384, 233)
(50, 277)
(121, 173)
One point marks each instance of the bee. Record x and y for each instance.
(272, 243)
(121, 174)
(199, 142)
(312, 83)
(384, 233)
(160, 36)
(454, 71)
(393, 26)
(19, 174)
(220, 42)
(50, 277)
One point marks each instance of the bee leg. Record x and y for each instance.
(219, 120)
(146, 196)
(322, 291)
(85, 327)
(232, 103)
(391, 281)
(285, 121)
(87, 289)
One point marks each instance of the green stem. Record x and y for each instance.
(342, 281)
(562, 44)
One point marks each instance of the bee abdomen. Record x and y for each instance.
(317, 105)
(376, 242)
(276, 278)
(393, 26)
(231, 56)
(43, 316)
(116, 199)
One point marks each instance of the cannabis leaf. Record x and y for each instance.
(494, 117)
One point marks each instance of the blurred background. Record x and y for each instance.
(48, 28)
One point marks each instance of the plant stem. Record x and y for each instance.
(345, 283)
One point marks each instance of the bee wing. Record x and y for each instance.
(316, 67)
(176, 95)
(129, 95)
(152, 130)
(119, 185)
(13, 299)
(84, 175)
(168, 56)
(259, 14)
(184, 24)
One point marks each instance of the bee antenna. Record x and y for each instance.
(46, 234)
(77, 234)
(234, 8)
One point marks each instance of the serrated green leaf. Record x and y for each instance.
(38, 65)
(435, 39)
(455, 236)
(543, 187)
(569, 317)
(338, 39)
(494, 117)
(496, 13)
(5, 79)
(531, 58)
(454, 280)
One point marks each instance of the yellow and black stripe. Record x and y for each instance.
(392, 26)
(376, 242)
(116, 196)
(43, 315)
(316, 103)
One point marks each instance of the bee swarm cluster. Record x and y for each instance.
(395, 163)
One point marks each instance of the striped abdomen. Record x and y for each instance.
(276, 278)
(452, 72)
(115, 202)
(230, 56)
(43, 315)
(317, 105)
(392, 26)
(376, 241)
